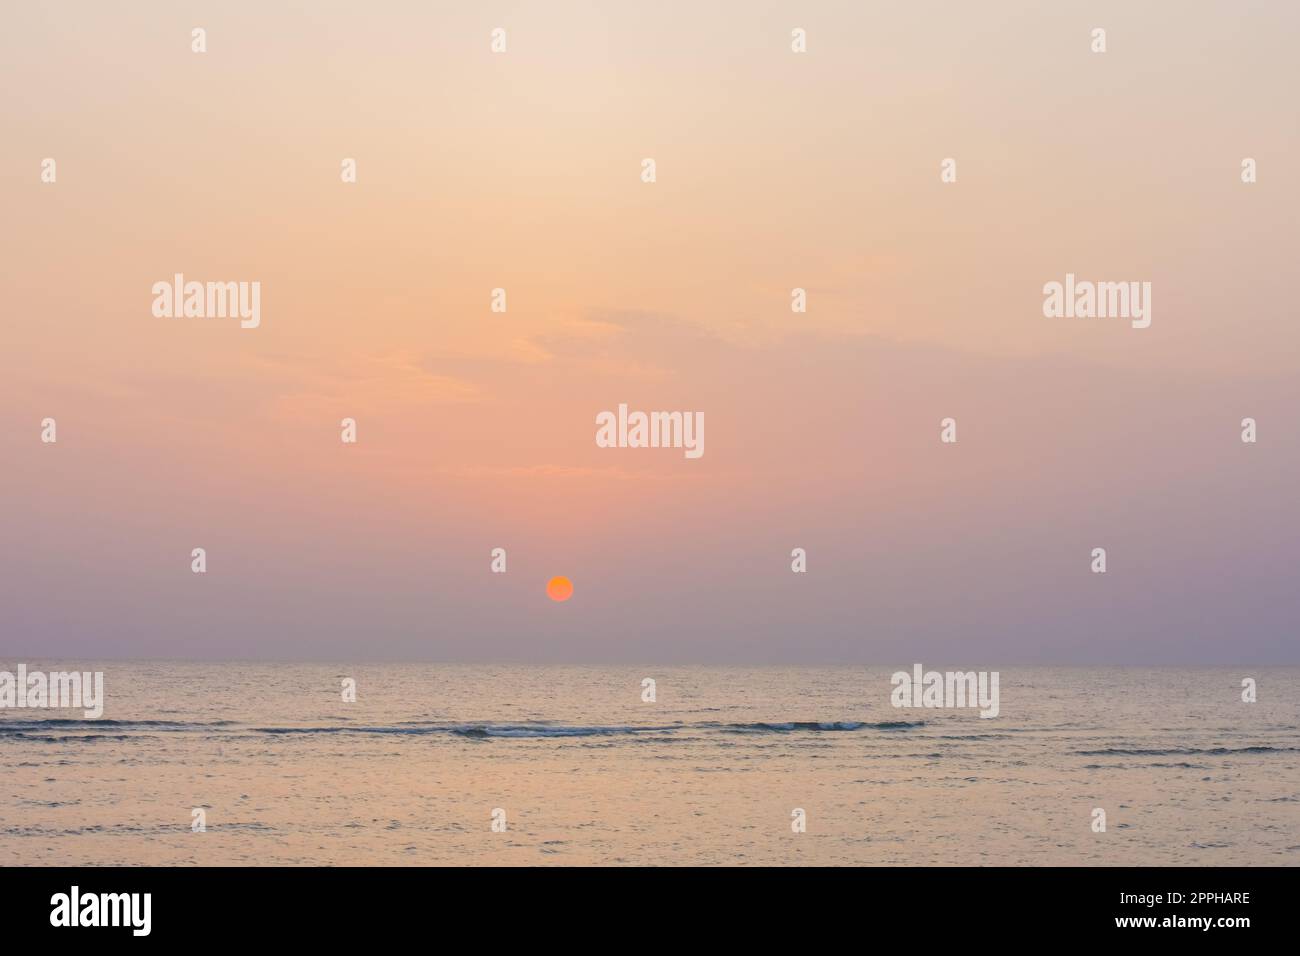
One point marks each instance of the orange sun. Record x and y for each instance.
(559, 589)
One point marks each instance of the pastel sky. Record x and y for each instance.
(476, 429)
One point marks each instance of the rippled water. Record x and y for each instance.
(586, 772)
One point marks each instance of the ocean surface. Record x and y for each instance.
(710, 773)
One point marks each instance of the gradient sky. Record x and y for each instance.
(477, 429)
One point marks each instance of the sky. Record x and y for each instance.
(775, 170)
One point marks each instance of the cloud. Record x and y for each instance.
(306, 388)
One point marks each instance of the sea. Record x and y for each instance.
(255, 764)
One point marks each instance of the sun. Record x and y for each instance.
(559, 589)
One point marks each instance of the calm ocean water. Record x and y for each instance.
(586, 772)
